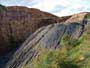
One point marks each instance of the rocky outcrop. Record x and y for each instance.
(80, 18)
(46, 37)
(17, 23)
(20, 24)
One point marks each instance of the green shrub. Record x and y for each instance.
(54, 59)
(76, 57)
(2, 8)
(70, 42)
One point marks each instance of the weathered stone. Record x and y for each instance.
(75, 30)
(46, 37)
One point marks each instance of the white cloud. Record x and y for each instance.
(48, 5)
(67, 7)
(76, 8)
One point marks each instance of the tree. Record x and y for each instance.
(2, 8)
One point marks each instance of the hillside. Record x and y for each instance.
(45, 40)
(66, 38)
(18, 22)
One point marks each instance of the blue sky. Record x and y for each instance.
(57, 7)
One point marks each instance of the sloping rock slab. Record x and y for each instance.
(45, 37)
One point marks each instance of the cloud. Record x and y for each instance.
(80, 6)
(57, 7)
(75, 6)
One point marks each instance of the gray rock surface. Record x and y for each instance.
(45, 37)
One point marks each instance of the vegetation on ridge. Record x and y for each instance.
(77, 56)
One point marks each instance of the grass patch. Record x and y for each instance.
(77, 56)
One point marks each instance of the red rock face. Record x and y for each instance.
(17, 23)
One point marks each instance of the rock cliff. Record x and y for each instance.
(46, 37)
(17, 23)
(32, 30)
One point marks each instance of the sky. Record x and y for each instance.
(56, 7)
